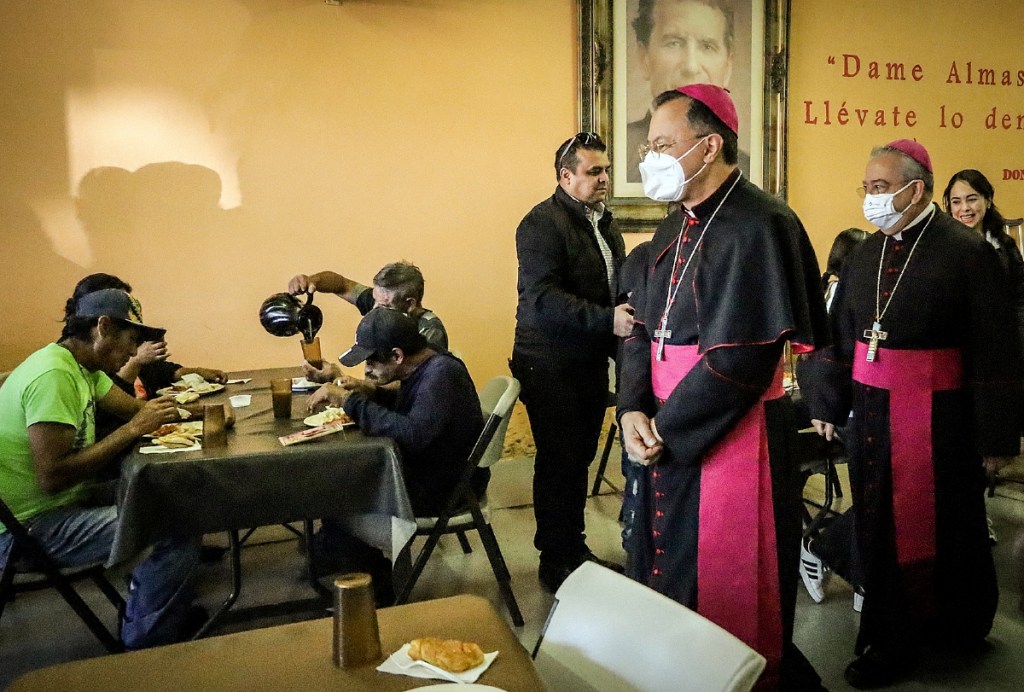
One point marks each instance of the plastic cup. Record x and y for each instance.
(356, 636)
(311, 350)
(281, 392)
(240, 400)
(215, 433)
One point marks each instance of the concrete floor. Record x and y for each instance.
(39, 629)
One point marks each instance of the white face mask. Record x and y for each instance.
(663, 176)
(879, 209)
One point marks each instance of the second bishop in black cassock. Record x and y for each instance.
(933, 386)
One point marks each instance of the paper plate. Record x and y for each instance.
(468, 687)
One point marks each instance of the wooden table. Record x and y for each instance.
(298, 657)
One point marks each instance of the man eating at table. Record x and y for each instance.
(434, 417)
(49, 458)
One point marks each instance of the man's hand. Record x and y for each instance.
(321, 371)
(301, 283)
(826, 430)
(622, 324)
(147, 352)
(354, 384)
(642, 442)
(208, 374)
(150, 352)
(993, 465)
(328, 395)
(153, 414)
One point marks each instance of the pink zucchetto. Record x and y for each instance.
(914, 151)
(718, 100)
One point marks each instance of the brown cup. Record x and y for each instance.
(311, 350)
(356, 637)
(281, 391)
(215, 433)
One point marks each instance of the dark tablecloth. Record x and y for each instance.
(255, 481)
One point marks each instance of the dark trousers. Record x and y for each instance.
(565, 402)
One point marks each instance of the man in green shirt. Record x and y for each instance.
(49, 458)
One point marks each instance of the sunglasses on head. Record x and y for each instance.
(584, 138)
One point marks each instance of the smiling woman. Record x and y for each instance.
(970, 199)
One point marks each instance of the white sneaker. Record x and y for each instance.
(858, 601)
(814, 573)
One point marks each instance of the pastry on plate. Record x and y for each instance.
(448, 654)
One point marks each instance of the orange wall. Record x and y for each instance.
(207, 150)
(827, 160)
(226, 145)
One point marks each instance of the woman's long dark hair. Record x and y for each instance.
(993, 223)
(841, 247)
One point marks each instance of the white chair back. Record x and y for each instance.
(608, 632)
(498, 396)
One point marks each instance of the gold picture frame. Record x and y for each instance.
(612, 95)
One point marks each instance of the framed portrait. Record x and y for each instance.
(632, 50)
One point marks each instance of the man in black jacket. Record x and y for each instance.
(566, 324)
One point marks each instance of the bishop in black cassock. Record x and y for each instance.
(731, 277)
(926, 357)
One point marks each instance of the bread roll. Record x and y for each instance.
(448, 654)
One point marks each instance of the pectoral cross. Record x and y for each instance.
(661, 333)
(874, 335)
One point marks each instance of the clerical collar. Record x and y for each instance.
(701, 210)
(918, 219)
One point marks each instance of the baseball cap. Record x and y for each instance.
(120, 305)
(914, 150)
(717, 99)
(381, 330)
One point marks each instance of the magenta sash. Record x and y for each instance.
(737, 563)
(911, 378)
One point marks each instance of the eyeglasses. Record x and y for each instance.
(880, 187)
(662, 147)
(584, 138)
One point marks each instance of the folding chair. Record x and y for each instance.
(609, 439)
(602, 465)
(27, 556)
(591, 642)
(818, 455)
(497, 399)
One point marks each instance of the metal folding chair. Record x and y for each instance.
(497, 400)
(28, 557)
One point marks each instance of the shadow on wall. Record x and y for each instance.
(162, 221)
(32, 279)
(163, 217)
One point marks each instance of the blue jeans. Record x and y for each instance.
(161, 586)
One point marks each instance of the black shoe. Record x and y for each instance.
(874, 669)
(607, 564)
(552, 573)
(191, 622)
